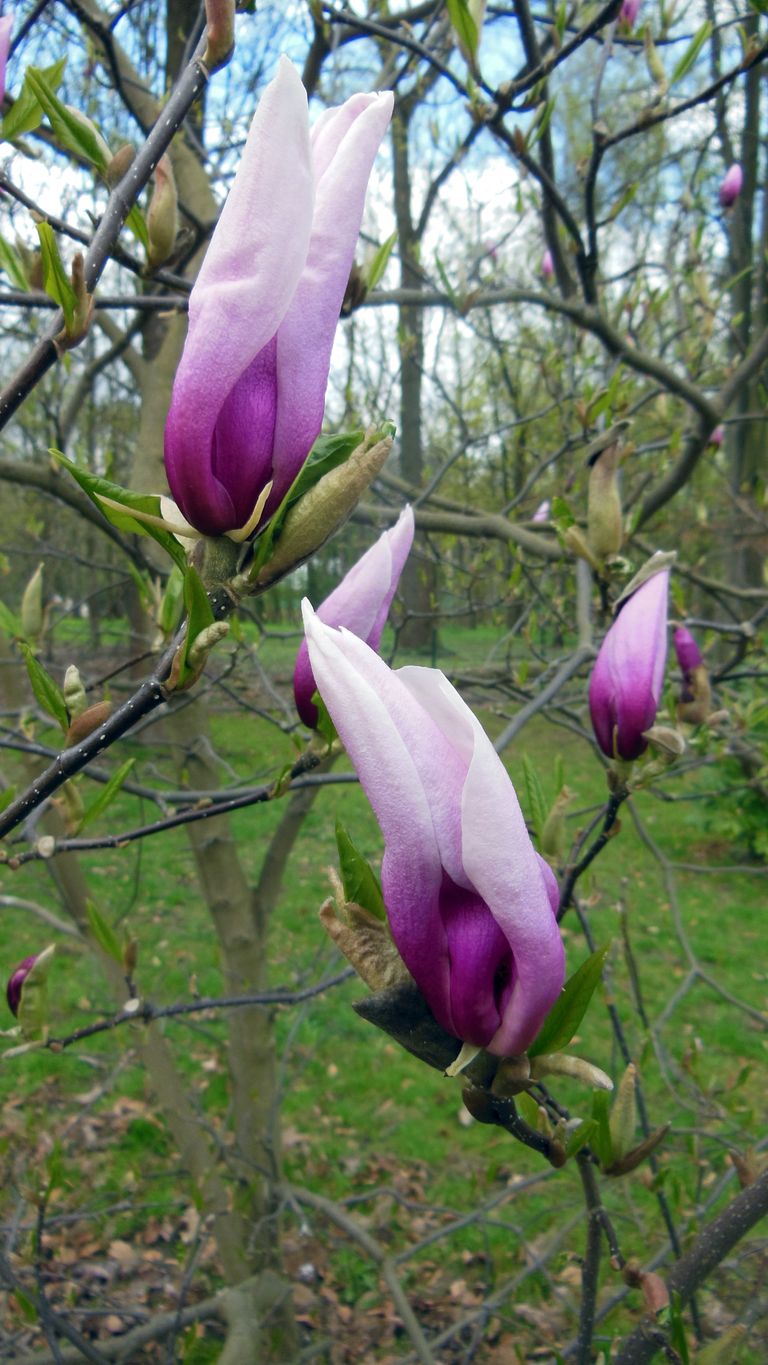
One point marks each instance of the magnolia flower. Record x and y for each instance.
(249, 392)
(625, 687)
(629, 12)
(543, 511)
(6, 25)
(717, 436)
(694, 701)
(361, 602)
(548, 266)
(16, 981)
(730, 185)
(687, 650)
(471, 905)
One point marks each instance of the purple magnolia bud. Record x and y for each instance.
(687, 651)
(730, 185)
(542, 512)
(717, 436)
(16, 981)
(249, 392)
(548, 266)
(6, 26)
(625, 687)
(471, 904)
(629, 12)
(361, 603)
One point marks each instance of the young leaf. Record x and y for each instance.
(47, 692)
(361, 885)
(562, 514)
(586, 1132)
(27, 113)
(55, 279)
(76, 134)
(199, 616)
(107, 794)
(103, 933)
(464, 26)
(325, 725)
(601, 1137)
(379, 262)
(10, 263)
(691, 52)
(9, 622)
(569, 1009)
(97, 489)
(136, 222)
(535, 799)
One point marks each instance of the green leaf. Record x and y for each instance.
(6, 797)
(361, 885)
(103, 933)
(569, 1009)
(464, 26)
(25, 1304)
(325, 725)
(199, 615)
(107, 794)
(9, 622)
(541, 125)
(527, 1108)
(562, 514)
(535, 799)
(97, 489)
(327, 453)
(55, 279)
(446, 283)
(27, 113)
(586, 1132)
(76, 136)
(170, 607)
(10, 263)
(47, 692)
(379, 262)
(691, 53)
(601, 1137)
(136, 221)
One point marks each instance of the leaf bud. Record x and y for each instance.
(575, 541)
(553, 836)
(88, 721)
(75, 697)
(563, 1064)
(162, 220)
(639, 1153)
(605, 531)
(623, 1117)
(32, 615)
(119, 164)
(666, 739)
(513, 1075)
(365, 941)
(220, 33)
(324, 509)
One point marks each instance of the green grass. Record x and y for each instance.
(359, 1113)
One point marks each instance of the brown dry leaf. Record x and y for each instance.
(124, 1254)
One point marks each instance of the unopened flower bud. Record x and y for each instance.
(605, 531)
(16, 981)
(32, 606)
(548, 266)
(731, 186)
(119, 163)
(688, 653)
(629, 12)
(717, 436)
(324, 509)
(75, 697)
(27, 992)
(695, 699)
(220, 33)
(162, 215)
